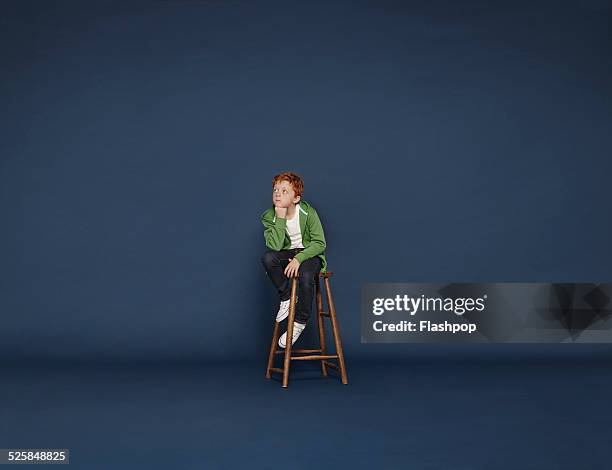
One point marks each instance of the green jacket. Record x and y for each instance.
(313, 238)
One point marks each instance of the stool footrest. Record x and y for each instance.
(276, 369)
(282, 351)
(314, 358)
(324, 314)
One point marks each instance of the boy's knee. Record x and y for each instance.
(268, 259)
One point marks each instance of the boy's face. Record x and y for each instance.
(283, 194)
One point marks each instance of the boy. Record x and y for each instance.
(296, 243)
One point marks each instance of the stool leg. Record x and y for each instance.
(273, 347)
(336, 332)
(319, 298)
(289, 333)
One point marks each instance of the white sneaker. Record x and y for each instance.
(283, 310)
(297, 331)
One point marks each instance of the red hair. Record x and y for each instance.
(294, 180)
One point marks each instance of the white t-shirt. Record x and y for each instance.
(293, 229)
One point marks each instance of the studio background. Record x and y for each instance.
(439, 141)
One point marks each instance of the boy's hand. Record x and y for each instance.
(281, 212)
(292, 268)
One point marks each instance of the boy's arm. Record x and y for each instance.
(274, 232)
(317, 239)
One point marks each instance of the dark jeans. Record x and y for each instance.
(275, 263)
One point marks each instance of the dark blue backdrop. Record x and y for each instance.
(440, 141)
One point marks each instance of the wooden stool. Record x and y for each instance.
(323, 357)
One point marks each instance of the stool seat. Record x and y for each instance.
(291, 354)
